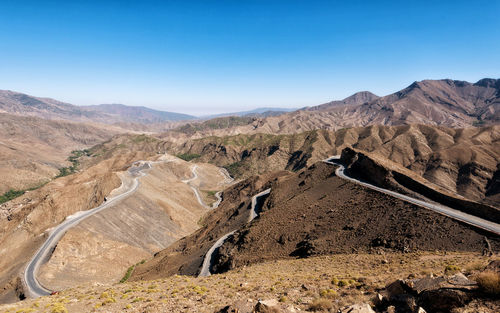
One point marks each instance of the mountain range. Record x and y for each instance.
(22, 104)
(444, 102)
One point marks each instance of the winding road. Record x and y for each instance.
(439, 208)
(227, 180)
(33, 286)
(207, 260)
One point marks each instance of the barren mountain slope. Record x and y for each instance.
(22, 104)
(25, 220)
(356, 99)
(33, 149)
(312, 212)
(161, 211)
(135, 114)
(464, 161)
(434, 102)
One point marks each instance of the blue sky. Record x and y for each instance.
(202, 57)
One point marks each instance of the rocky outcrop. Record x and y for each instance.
(362, 165)
(357, 308)
(429, 294)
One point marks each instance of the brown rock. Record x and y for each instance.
(427, 283)
(357, 308)
(393, 289)
(443, 300)
(267, 306)
(237, 307)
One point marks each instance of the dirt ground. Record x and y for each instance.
(295, 284)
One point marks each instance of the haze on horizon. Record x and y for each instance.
(202, 57)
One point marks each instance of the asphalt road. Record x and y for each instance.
(227, 179)
(208, 260)
(439, 208)
(34, 288)
(194, 188)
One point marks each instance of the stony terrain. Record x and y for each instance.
(309, 213)
(317, 283)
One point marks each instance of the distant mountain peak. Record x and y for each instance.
(488, 83)
(360, 97)
(355, 99)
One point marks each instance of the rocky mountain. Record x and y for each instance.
(445, 102)
(309, 213)
(21, 104)
(357, 98)
(138, 114)
(437, 102)
(32, 149)
(463, 161)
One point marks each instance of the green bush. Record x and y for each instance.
(127, 274)
(11, 194)
(188, 156)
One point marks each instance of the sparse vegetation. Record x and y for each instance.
(143, 138)
(320, 304)
(328, 293)
(307, 284)
(188, 156)
(451, 269)
(489, 282)
(73, 158)
(127, 274)
(215, 123)
(12, 194)
(235, 169)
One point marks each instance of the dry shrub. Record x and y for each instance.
(489, 282)
(320, 304)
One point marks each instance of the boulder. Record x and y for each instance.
(267, 306)
(443, 300)
(426, 283)
(405, 303)
(237, 307)
(393, 289)
(357, 308)
(460, 281)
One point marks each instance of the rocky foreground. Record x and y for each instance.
(434, 282)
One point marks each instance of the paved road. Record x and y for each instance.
(441, 209)
(194, 188)
(227, 180)
(207, 261)
(34, 288)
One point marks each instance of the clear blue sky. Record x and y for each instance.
(212, 56)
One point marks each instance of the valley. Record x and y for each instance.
(144, 214)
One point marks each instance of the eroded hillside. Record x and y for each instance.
(32, 150)
(463, 161)
(312, 212)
